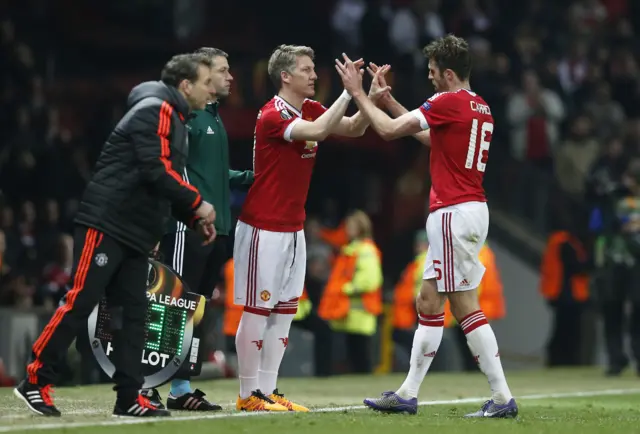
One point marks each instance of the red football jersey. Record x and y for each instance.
(461, 128)
(282, 168)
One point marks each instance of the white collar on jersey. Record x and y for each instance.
(289, 106)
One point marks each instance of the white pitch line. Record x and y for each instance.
(136, 421)
(25, 415)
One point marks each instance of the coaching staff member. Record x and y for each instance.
(134, 189)
(208, 170)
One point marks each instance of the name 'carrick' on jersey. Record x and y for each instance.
(282, 168)
(461, 129)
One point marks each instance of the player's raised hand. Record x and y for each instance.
(379, 88)
(350, 74)
(359, 63)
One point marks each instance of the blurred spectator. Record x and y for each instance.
(57, 273)
(534, 114)
(4, 267)
(433, 27)
(319, 257)
(564, 283)
(48, 229)
(346, 23)
(620, 268)
(572, 69)
(374, 32)
(604, 184)
(609, 113)
(19, 291)
(576, 156)
(471, 19)
(587, 16)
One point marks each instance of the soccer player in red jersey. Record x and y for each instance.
(457, 124)
(269, 251)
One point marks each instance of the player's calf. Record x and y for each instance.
(482, 343)
(426, 342)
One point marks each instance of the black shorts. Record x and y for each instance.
(199, 266)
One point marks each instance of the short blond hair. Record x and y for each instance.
(363, 224)
(284, 58)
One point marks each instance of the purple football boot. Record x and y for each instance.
(390, 402)
(491, 409)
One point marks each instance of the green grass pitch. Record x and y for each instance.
(557, 401)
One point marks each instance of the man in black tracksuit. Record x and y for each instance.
(201, 266)
(134, 189)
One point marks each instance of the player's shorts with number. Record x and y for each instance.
(456, 235)
(269, 268)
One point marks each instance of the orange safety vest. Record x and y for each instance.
(335, 304)
(490, 296)
(304, 295)
(552, 269)
(404, 296)
(335, 237)
(232, 312)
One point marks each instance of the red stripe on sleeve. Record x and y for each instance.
(164, 127)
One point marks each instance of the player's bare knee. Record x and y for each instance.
(429, 301)
(463, 303)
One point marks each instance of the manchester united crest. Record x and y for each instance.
(265, 295)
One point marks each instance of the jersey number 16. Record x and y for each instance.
(485, 129)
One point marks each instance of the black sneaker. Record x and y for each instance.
(37, 398)
(193, 401)
(154, 397)
(140, 408)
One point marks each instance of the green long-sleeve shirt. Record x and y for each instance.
(208, 165)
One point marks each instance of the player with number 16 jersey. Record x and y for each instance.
(461, 126)
(457, 124)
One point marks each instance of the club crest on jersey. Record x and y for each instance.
(284, 114)
(310, 145)
(265, 295)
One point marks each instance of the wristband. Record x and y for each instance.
(346, 95)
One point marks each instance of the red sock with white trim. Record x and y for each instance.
(426, 341)
(484, 347)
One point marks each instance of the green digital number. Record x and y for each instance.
(183, 325)
(155, 327)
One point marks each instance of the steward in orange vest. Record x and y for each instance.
(564, 283)
(556, 281)
(352, 299)
(232, 312)
(337, 237)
